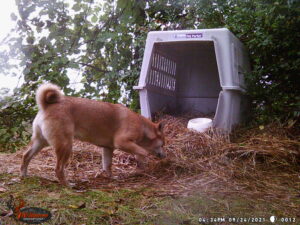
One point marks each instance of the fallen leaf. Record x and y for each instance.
(4, 213)
(80, 191)
(73, 206)
(120, 200)
(109, 212)
(54, 210)
(7, 213)
(80, 206)
(14, 180)
(3, 189)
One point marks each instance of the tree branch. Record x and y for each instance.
(93, 67)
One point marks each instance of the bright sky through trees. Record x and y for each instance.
(6, 24)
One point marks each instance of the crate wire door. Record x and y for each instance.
(161, 76)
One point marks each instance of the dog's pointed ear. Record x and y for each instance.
(160, 126)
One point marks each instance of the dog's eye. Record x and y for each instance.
(160, 144)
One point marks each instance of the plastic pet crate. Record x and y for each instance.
(194, 71)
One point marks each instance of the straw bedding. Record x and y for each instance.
(250, 162)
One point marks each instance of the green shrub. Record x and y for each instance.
(109, 50)
(270, 31)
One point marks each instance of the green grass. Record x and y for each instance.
(98, 207)
(138, 206)
(213, 206)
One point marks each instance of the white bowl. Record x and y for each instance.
(199, 124)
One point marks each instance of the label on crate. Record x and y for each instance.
(193, 35)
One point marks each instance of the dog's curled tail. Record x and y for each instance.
(48, 94)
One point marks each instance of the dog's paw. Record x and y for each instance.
(23, 173)
(104, 174)
(140, 165)
(139, 171)
(23, 176)
(65, 183)
(71, 184)
(115, 177)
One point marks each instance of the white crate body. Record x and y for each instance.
(194, 71)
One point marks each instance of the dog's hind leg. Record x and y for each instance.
(37, 143)
(107, 155)
(63, 154)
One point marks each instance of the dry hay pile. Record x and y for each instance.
(187, 154)
(255, 161)
(265, 167)
(273, 144)
(189, 151)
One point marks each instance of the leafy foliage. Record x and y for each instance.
(104, 43)
(16, 117)
(270, 30)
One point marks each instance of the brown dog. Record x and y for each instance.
(111, 126)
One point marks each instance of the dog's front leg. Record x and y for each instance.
(129, 146)
(140, 162)
(107, 155)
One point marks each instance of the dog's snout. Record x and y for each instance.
(161, 155)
